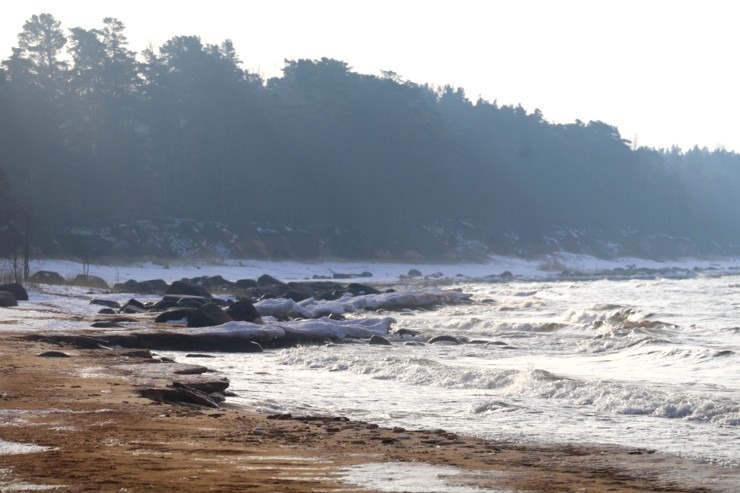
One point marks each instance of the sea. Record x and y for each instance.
(642, 356)
(644, 363)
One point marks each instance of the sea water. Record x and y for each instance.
(649, 364)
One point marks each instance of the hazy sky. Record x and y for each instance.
(662, 71)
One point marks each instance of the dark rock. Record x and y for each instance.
(268, 280)
(18, 291)
(186, 300)
(445, 338)
(107, 311)
(506, 276)
(184, 288)
(209, 386)
(243, 311)
(175, 314)
(153, 286)
(105, 325)
(198, 355)
(7, 299)
(108, 303)
(179, 395)
(47, 277)
(162, 305)
(133, 306)
(357, 289)
(379, 340)
(210, 282)
(246, 283)
(406, 332)
(53, 354)
(414, 273)
(208, 315)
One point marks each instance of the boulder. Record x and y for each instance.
(108, 303)
(208, 315)
(243, 311)
(379, 340)
(152, 286)
(47, 277)
(7, 299)
(18, 290)
(187, 289)
(268, 280)
(133, 306)
(90, 281)
(175, 315)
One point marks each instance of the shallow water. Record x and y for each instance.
(641, 363)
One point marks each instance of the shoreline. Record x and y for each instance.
(103, 436)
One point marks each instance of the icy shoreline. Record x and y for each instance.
(551, 267)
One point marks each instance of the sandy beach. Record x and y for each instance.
(94, 432)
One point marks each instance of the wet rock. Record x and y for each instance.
(444, 339)
(357, 289)
(53, 354)
(105, 325)
(379, 340)
(179, 395)
(413, 273)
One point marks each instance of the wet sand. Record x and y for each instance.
(102, 436)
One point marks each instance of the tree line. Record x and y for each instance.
(92, 133)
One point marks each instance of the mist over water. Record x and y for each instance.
(641, 363)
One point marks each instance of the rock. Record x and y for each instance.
(357, 289)
(53, 354)
(18, 291)
(268, 280)
(208, 386)
(182, 300)
(184, 288)
(445, 339)
(153, 286)
(406, 332)
(133, 306)
(7, 299)
(243, 311)
(379, 340)
(208, 315)
(105, 325)
(246, 283)
(47, 277)
(176, 315)
(107, 311)
(90, 281)
(414, 273)
(179, 395)
(108, 303)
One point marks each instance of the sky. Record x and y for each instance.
(662, 71)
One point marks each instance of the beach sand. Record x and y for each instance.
(100, 435)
